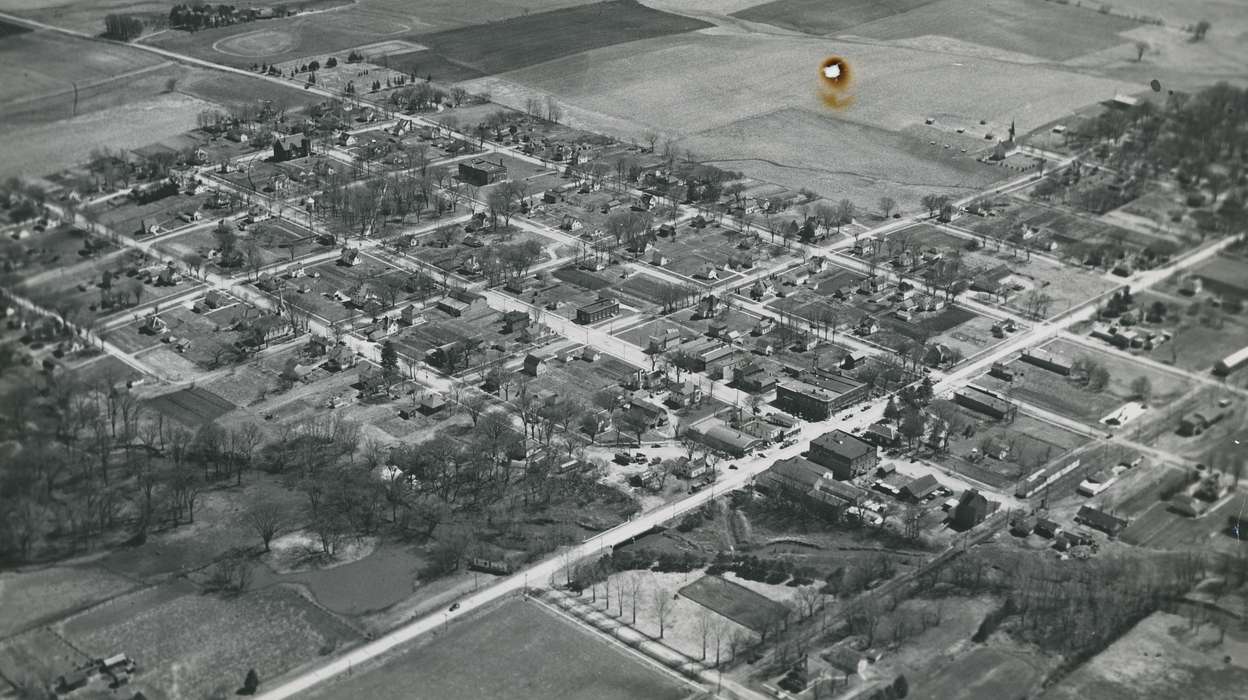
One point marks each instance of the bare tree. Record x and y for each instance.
(662, 609)
(267, 520)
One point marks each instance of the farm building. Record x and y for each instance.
(971, 510)
(481, 172)
(1047, 360)
(595, 311)
(844, 454)
(984, 401)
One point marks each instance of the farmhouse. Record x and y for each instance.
(595, 311)
(844, 454)
(481, 172)
(984, 401)
(1047, 360)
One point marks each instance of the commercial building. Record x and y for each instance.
(596, 311)
(984, 401)
(844, 454)
(817, 395)
(481, 172)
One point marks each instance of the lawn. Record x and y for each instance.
(735, 602)
(518, 651)
(36, 655)
(189, 644)
(29, 598)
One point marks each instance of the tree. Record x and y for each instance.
(931, 202)
(633, 422)
(912, 426)
(389, 361)
(1141, 48)
(251, 683)
(887, 206)
(1142, 388)
(266, 520)
(1199, 31)
(844, 213)
(1098, 377)
(122, 27)
(662, 609)
(901, 687)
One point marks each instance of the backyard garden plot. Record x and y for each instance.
(478, 322)
(735, 602)
(36, 656)
(192, 407)
(192, 645)
(520, 651)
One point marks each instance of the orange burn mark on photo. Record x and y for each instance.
(835, 77)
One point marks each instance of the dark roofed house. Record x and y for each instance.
(1100, 520)
(920, 488)
(971, 510)
(844, 454)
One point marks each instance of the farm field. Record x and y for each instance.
(191, 407)
(29, 598)
(191, 645)
(48, 68)
(519, 651)
(488, 37)
(661, 83)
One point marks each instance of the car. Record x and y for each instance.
(454, 607)
(732, 467)
(847, 416)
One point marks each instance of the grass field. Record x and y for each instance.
(518, 651)
(48, 66)
(29, 598)
(735, 602)
(190, 645)
(985, 673)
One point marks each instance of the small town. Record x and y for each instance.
(625, 349)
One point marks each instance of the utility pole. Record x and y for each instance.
(75, 84)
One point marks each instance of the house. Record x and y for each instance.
(382, 328)
(920, 488)
(844, 454)
(1065, 539)
(515, 321)
(761, 289)
(849, 661)
(350, 257)
(810, 483)
(692, 468)
(765, 325)
(654, 414)
(296, 370)
(666, 230)
(401, 127)
(658, 259)
(764, 346)
(432, 402)
(1001, 371)
(535, 364)
(481, 172)
(346, 138)
(411, 315)
(590, 354)
(571, 223)
(662, 341)
(289, 149)
(868, 326)
(882, 435)
(595, 311)
(1100, 520)
(853, 359)
(971, 510)
(1191, 285)
(1046, 527)
(752, 377)
(339, 358)
(938, 355)
(686, 394)
(984, 401)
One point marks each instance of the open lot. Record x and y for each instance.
(1030, 443)
(35, 597)
(518, 650)
(984, 673)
